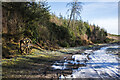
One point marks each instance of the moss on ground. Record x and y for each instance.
(30, 66)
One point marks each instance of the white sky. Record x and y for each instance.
(103, 14)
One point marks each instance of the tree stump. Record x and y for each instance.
(25, 46)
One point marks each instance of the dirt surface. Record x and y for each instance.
(39, 64)
(33, 66)
(113, 37)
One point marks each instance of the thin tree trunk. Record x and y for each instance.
(70, 18)
(73, 22)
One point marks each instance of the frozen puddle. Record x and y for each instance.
(74, 63)
(92, 64)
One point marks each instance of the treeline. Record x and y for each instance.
(82, 33)
(34, 21)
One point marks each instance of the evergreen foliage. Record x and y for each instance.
(34, 21)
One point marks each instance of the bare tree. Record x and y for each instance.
(75, 8)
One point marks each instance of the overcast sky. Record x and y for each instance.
(103, 14)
